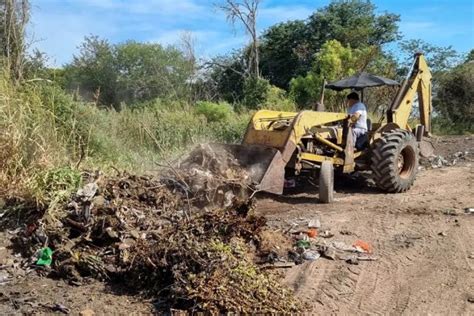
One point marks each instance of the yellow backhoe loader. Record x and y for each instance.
(278, 143)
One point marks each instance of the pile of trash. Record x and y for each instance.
(312, 241)
(187, 238)
(439, 161)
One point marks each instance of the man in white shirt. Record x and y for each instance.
(358, 112)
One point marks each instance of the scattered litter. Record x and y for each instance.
(295, 256)
(312, 233)
(301, 236)
(353, 260)
(342, 246)
(60, 308)
(450, 212)
(304, 244)
(444, 234)
(346, 232)
(314, 223)
(362, 246)
(45, 257)
(330, 253)
(290, 229)
(439, 161)
(326, 234)
(87, 192)
(311, 255)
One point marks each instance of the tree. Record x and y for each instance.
(335, 61)
(439, 58)
(283, 53)
(35, 66)
(228, 74)
(14, 16)
(454, 99)
(128, 72)
(93, 72)
(255, 92)
(288, 49)
(147, 71)
(246, 13)
(352, 23)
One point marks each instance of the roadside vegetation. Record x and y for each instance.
(135, 105)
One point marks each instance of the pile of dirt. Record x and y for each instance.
(187, 239)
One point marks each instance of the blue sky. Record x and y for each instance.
(59, 26)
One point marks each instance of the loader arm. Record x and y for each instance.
(417, 83)
(270, 141)
(260, 131)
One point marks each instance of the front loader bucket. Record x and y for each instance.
(264, 164)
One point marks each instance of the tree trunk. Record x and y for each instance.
(14, 18)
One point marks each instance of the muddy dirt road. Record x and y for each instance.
(423, 239)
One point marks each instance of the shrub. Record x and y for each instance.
(304, 90)
(277, 100)
(232, 130)
(53, 186)
(255, 92)
(454, 100)
(214, 112)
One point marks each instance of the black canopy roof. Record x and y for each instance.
(360, 81)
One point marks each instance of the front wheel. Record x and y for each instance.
(394, 161)
(326, 182)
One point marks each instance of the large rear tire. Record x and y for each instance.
(394, 161)
(326, 182)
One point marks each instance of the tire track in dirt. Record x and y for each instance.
(377, 291)
(419, 270)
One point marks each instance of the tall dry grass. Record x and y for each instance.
(46, 137)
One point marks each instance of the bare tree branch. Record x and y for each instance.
(246, 13)
(216, 63)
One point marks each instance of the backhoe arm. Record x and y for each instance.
(418, 83)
